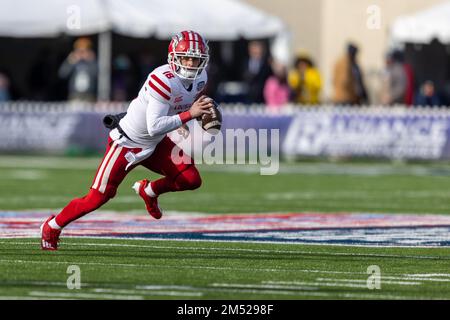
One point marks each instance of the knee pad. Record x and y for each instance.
(189, 179)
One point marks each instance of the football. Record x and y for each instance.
(212, 122)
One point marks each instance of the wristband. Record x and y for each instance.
(185, 116)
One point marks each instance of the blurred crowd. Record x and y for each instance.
(262, 79)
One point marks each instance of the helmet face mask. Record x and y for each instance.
(191, 45)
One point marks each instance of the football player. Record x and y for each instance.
(170, 97)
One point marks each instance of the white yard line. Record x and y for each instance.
(250, 269)
(349, 281)
(344, 195)
(234, 249)
(427, 279)
(84, 295)
(314, 283)
(49, 162)
(26, 298)
(26, 174)
(149, 293)
(427, 275)
(312, 294)
(149, 266)
(164, 287)
(267, 285)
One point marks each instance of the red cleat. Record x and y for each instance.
(151, 203)
(49, 236)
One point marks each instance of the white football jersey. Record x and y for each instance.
(154, 112)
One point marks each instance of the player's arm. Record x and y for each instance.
(158, 121)
(159, 92)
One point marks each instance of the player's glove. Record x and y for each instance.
(111, 121)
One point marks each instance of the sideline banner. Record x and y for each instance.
(395, 133)
(409, 134)
(54, 132)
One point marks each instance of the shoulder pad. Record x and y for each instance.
(159, 85)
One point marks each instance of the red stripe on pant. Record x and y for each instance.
(95, 199)
(178, 177)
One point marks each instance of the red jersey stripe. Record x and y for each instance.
(161, 83)
(162, 94)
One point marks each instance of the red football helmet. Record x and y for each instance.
(188, 44)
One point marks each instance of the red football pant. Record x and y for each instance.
(111, 172)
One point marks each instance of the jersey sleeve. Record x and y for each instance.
(158, 86)
(158, 120)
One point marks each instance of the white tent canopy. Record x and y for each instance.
(220, 20)
(424, 26)
(216, 19)
(50, 18)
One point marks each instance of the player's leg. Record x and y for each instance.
(177, 176)
(110, 174)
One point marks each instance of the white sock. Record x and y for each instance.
(150, 191)
(52, 223)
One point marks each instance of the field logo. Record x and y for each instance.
(74, 280)
(374, 280)
(201, 85)
(349, 229)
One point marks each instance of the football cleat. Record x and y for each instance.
(151, 203)
(49, 236)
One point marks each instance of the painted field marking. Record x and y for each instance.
(248, 250)
(427, 275)
(402, 283)
(30, 174)
(320, 283)
(250, 269)
(238, 250)
(312, 294)
(265, 285)
(149, 293)
(352, 229)
(26, 298)
(41, 162)
(84, 295)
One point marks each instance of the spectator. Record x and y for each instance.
(305, 81)
(348, 80)
(256, 71)
(80, 68)
(427, 95)
(395, 81)
(4, 88)
(276, 88)
(409, 94)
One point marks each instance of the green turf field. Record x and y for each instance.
(32, 183)
(135, 269)
(119, 269)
